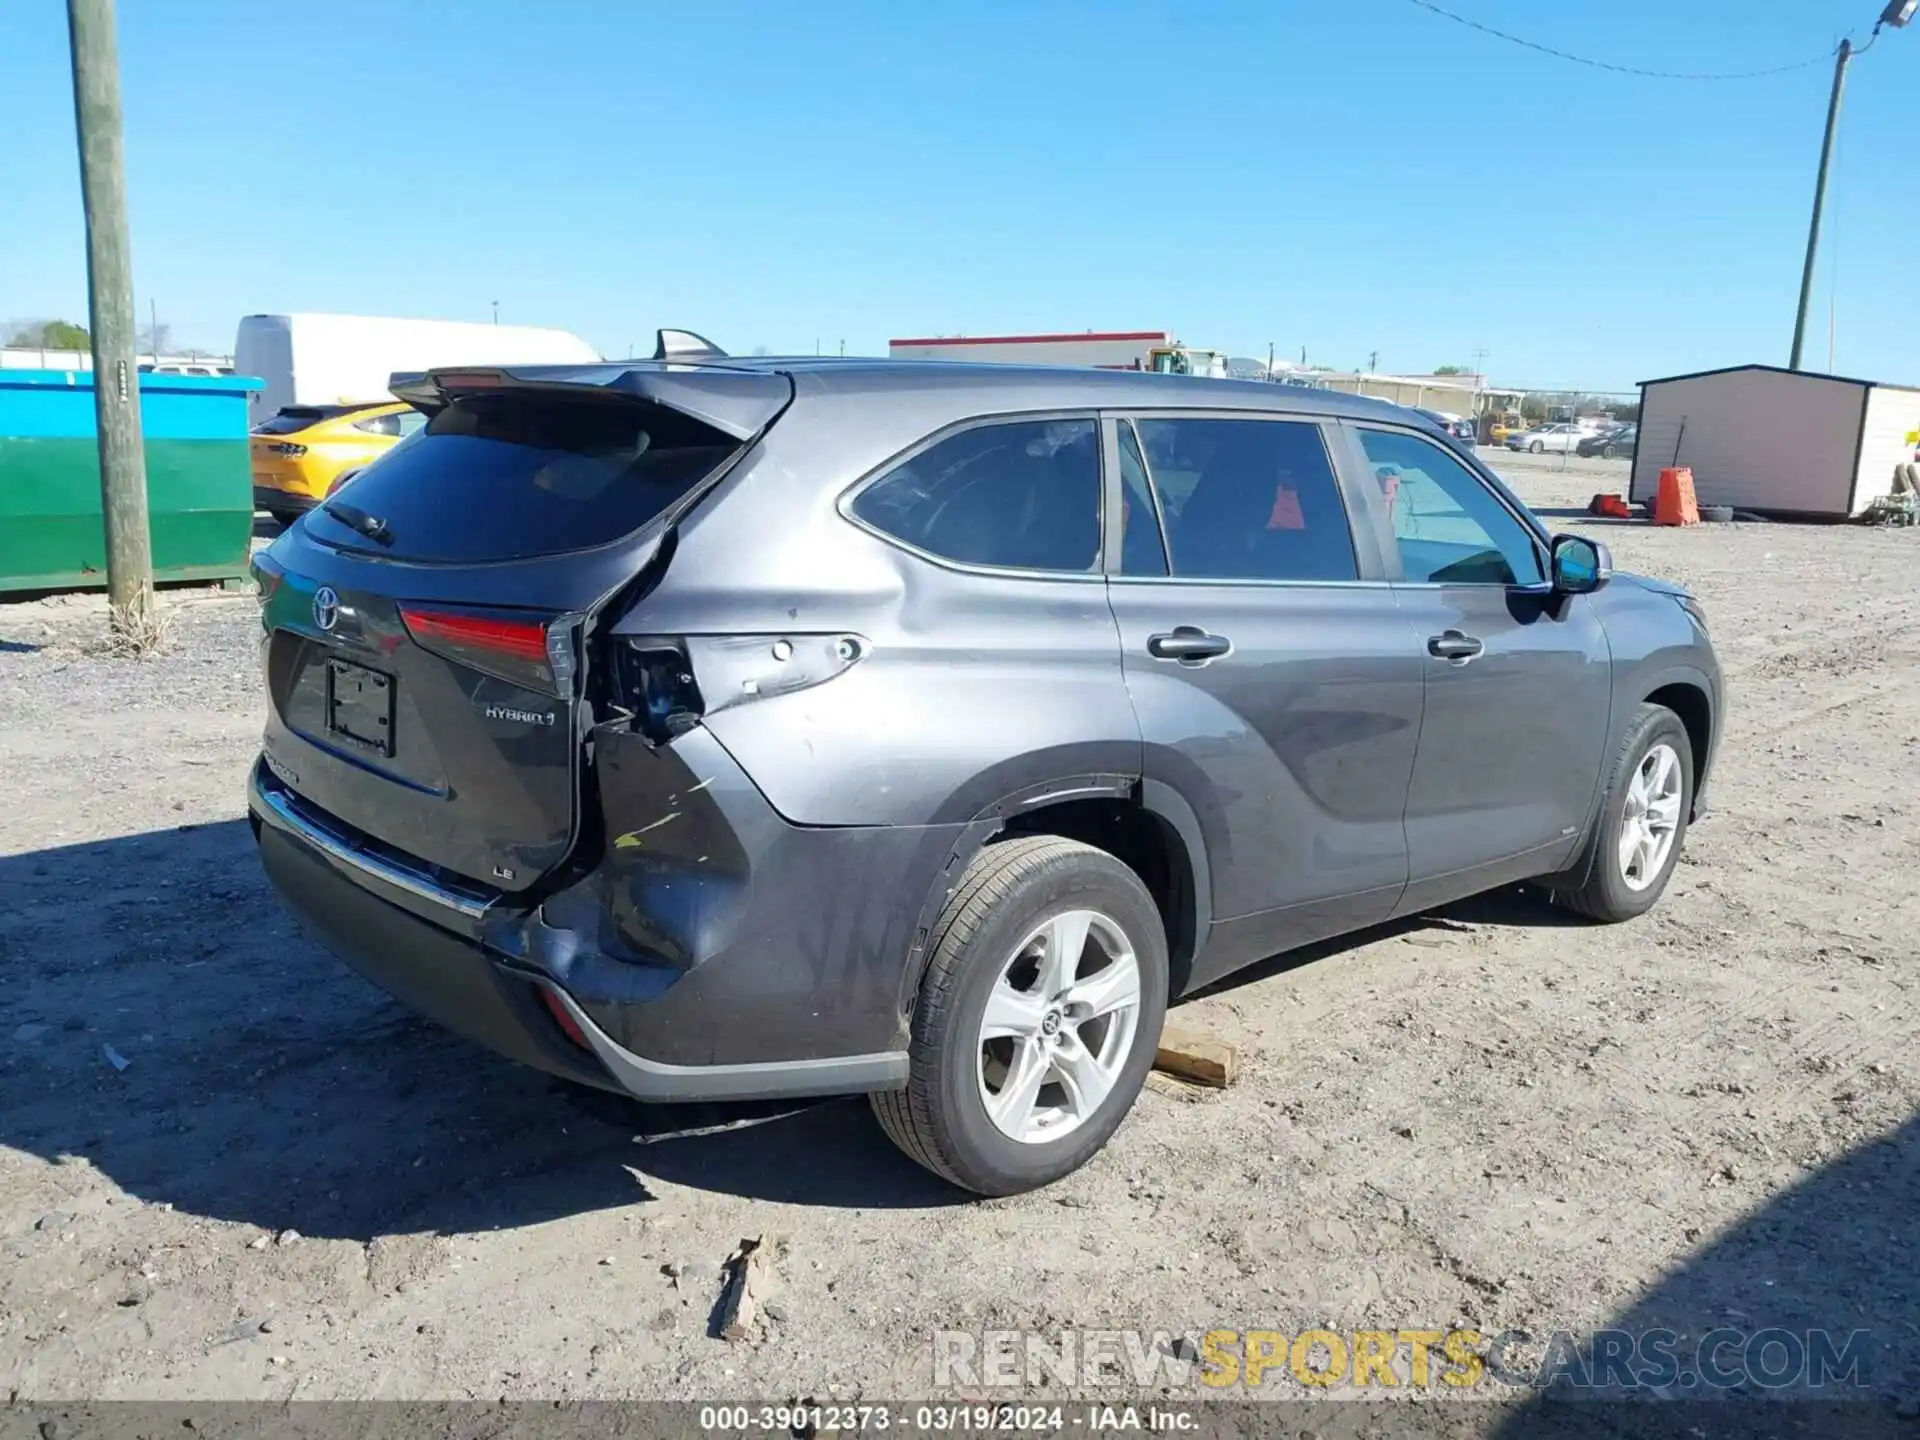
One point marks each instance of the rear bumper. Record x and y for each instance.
(266, 497)
(747, 1010)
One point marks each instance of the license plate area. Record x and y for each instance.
(360, 707)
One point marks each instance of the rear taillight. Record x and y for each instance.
(288, 449)
(535, 652)
(267, 578)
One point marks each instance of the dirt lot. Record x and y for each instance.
(229, 1168)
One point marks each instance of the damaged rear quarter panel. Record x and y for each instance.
(974, 685)
(719, 933)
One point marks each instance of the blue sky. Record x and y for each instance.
(1346, 175)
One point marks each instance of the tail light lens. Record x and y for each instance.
(536, 652)
(288, 449)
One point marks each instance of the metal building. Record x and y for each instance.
(1781, 442)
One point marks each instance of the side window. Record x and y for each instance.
(1024, 495)
(379, 425)
(1142, 551)
(1248, 500)
(1448, 526)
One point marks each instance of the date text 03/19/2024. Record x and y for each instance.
(938, 1419)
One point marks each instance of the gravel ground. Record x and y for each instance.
(229, 1168)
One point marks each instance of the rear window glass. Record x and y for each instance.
(514, 476)
(1023, 495)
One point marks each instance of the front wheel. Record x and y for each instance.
(1643, 820)
(1037, 1019)
(1536, 448)
(1607, 452)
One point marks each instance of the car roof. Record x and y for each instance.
(988, 387)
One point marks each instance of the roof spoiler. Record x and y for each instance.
(738, 403)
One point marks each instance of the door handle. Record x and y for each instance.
(1189, 645)
(1454, 647)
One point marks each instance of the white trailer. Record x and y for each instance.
(1103, 350)
(1786, 442)
(345, 359)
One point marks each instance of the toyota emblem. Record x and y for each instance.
(326, 607)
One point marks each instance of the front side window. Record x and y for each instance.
(1449, 528)
(1018, 495)
(1248, 500)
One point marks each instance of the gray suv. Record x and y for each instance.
(751, 728)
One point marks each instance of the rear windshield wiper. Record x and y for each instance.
(354, 518)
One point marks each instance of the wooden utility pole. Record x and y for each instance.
(1820, 198)
(116, 377)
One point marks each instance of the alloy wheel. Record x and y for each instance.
(1058, 1027)
(1651, 817)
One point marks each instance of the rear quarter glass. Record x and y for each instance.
(515, 476)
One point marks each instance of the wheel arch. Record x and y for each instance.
(1688, 695)
(1146, 825)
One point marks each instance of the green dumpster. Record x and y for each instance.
(199, 480)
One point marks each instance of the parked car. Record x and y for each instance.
(1614, 441)
(760, 728)
(305, 452)
(1559, 438)
(1459, 428)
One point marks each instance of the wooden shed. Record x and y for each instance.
(1781, 442)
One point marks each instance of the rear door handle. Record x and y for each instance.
(1454, 647)
(1189, 645)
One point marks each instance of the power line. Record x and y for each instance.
(1445, 14)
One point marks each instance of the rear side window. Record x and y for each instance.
(1248, 500)
(1021, 495)
(515, 475)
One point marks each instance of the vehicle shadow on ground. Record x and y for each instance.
(1821, 1275)
(1518, 906)
(266, 1084)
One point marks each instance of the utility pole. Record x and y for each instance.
(1819, 201)
(1898, 14)
(116, 379)
(496, 312)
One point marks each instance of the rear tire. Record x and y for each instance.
(1648, 799)
(284, 518)
(993, 942)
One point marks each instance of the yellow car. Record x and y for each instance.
(305, 452)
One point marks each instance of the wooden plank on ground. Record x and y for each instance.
(1194, 1057)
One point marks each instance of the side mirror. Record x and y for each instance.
(1580, 565)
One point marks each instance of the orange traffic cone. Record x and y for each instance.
(1675, 504)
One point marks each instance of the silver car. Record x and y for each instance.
(1556, 439)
